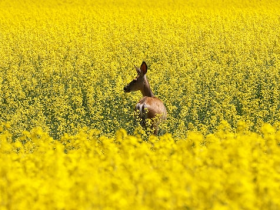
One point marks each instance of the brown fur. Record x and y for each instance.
(149, 107)
(155, 107)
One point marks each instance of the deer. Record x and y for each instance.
(149, 108)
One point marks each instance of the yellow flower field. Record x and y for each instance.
(68, 139)
(223, 170)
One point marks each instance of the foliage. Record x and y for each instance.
(224, 170)
(63, 66)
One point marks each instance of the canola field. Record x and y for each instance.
(68, 138)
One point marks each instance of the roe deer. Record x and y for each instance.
(149, 107)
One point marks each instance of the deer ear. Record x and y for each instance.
(138, 70)
(144, 67)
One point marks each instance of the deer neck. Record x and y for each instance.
(146, 90)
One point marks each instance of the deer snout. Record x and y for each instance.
(126, 89)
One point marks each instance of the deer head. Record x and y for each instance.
(140, 82)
